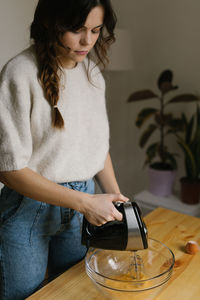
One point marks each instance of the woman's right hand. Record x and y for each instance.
(100, 208)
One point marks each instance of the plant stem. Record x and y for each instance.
(162, 156)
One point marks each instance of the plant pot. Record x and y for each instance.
(161, 182)
(190, 191)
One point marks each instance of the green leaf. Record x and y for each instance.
(144, 115)
(196, 141)
(183, 117)
(170, 157)
(197, 132)
(146, 134)
(163, 119)
(191, 144)
(189, 130)
(152, 150)
(184, 98)
(165, 82)
(189, 159)
(175, 124)
(198, 116)
(198, 160)
(142, 95)
(151, 153)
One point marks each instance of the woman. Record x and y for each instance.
(54, 140)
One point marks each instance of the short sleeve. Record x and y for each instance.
(15, 110)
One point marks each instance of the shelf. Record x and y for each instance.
(149, 201)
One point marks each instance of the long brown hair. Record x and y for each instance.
(51, 20)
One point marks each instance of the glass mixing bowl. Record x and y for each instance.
(136, 275)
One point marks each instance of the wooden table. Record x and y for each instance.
(171, 228)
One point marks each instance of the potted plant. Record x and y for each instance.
(190, 144)
(162, 163)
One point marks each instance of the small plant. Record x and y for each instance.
(190, 144)
(158, 155)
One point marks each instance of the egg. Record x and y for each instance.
(192, 247)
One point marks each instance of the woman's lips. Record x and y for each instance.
(82, 52)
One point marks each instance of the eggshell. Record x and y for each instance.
(192, 247)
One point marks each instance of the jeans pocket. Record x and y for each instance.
(11, 203)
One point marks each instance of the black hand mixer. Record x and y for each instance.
(128, 234)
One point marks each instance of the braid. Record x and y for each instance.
(50, 81)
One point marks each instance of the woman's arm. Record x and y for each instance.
(98, 209)
(35, 186)
(106, 178)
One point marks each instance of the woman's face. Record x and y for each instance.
(77, 44)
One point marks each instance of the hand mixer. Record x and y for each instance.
(128, 234)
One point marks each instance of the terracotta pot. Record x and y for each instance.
(190, 191)
(161, 182)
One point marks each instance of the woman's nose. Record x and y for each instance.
(86, 38)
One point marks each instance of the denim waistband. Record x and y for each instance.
(86, 185)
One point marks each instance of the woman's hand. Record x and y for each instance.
(100, 209)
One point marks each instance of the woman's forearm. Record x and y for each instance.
(98, 209)
(37, 187)
(106, 178)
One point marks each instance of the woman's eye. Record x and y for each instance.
(78, 30)
(96, 31)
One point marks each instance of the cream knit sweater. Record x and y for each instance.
(27, 138)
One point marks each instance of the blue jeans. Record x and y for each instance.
(33, 235)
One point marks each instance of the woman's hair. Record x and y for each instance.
(51, 20)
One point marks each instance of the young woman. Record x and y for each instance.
(54, 138)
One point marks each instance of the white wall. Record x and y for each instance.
(15, 19)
